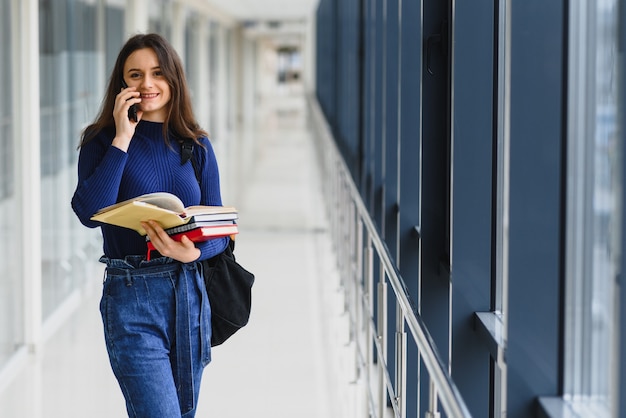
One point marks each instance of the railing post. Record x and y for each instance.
(369, 288)
(433, 411)
(381, 329)
(400, 362)
(358, 295)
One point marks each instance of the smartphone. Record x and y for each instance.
(132, 110)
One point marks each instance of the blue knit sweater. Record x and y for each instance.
(107, 175)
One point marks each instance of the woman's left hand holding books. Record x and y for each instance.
(184, 250)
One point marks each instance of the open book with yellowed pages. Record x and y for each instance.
(165, 208)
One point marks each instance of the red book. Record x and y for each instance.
(203, 233)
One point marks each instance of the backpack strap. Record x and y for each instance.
(186, 154)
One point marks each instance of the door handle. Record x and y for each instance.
(440, 39)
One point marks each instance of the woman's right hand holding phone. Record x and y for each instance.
(124, 127)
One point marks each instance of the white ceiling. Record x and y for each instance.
(266, 9)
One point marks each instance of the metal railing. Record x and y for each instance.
(359, 244)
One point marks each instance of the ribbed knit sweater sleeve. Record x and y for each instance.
(107, 175)
(100, 169)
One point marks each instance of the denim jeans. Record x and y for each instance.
(157, 327)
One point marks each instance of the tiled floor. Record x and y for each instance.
(283, 363)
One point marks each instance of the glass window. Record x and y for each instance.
(114, 20)
(190, 57)
(229, 77)
(212, 70)
(158, 19)
(11, 288)
(593, 212)
(6, 158)
(71, 86)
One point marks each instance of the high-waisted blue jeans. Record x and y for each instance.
(157, 327)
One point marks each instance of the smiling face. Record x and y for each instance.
(142, 70)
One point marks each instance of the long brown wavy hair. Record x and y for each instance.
(180, 121)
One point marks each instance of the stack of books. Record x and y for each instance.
(202, 227)
(198, 223)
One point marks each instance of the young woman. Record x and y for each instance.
(156, 314)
